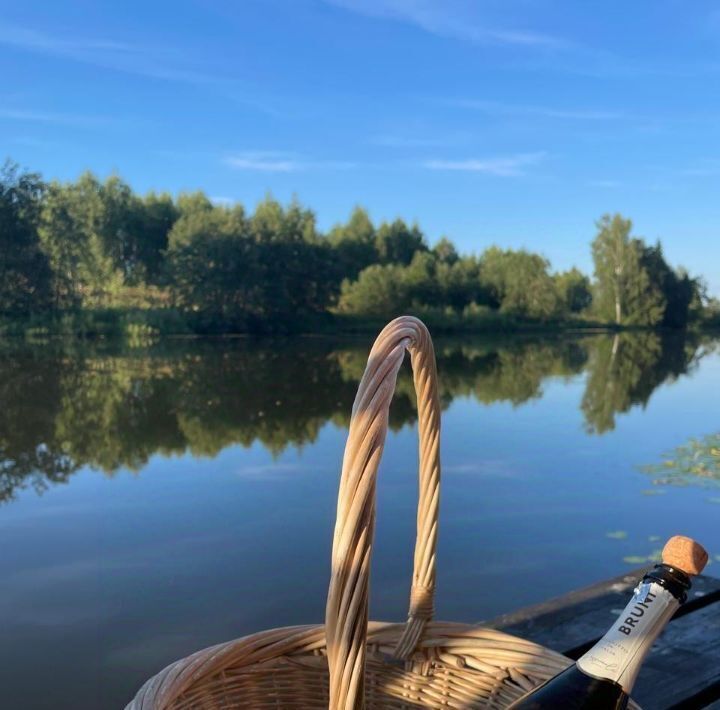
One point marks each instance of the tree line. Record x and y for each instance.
(69, 405)
(91, 243)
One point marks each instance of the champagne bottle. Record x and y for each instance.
(603, 678)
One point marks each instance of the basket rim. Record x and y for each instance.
(310, 639)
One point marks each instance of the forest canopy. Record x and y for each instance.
(69, 247)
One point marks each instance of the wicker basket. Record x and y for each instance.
(348, 662)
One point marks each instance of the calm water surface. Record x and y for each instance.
(162, 498)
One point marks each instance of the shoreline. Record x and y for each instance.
(149, 324)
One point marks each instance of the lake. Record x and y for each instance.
(160, 498)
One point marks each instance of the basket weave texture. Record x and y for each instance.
(349, 663)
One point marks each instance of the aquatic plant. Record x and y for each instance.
(695, 462)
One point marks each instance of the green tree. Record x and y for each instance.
(682, 294)
(293, 279)
(65, 246)
(116, 219)
(644, 296)
(271, 222)
(612, 254)
(92, 242)
(199, 217)
(420, 280)
(271, 267)
(215, 275)
(575, 290)
(460, 284)
(101, 236)
(520, 283)
(387, 289)
(627, 291)
(211, 262)
(158, 215)
(353, 244)
(396, 243)
(84, 233)
(295, 265)
(445, 252)
(379, 291)
(25, 275)
(191, 202)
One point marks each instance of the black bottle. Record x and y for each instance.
(603, 678)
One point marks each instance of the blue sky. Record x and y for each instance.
(490, 121)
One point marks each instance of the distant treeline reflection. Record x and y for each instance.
(62, 408)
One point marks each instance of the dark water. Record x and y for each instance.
(159, 499)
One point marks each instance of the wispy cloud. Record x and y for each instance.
(509, 109)
(70, 119)
(399, 141)
(468, 20)
(30, 39)
(508, 166)
(268, 162)
(156, 62)
(280, 162)
(103, 52)
(450, 18)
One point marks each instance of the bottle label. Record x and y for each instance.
(620, 653)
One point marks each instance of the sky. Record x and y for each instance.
(509, 122)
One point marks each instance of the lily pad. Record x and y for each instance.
(616, 534)
(635, 559)
(697, 461)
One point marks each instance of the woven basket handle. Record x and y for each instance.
(347, 604)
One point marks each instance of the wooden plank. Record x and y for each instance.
(567, 622)
(684, 663)
(706, 698)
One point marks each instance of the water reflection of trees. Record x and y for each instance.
(30, 401)
(626, 368)
(62, 409)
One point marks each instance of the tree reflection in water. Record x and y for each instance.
(65, 407)
(626, 368)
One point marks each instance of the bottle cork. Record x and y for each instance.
(685, 554)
